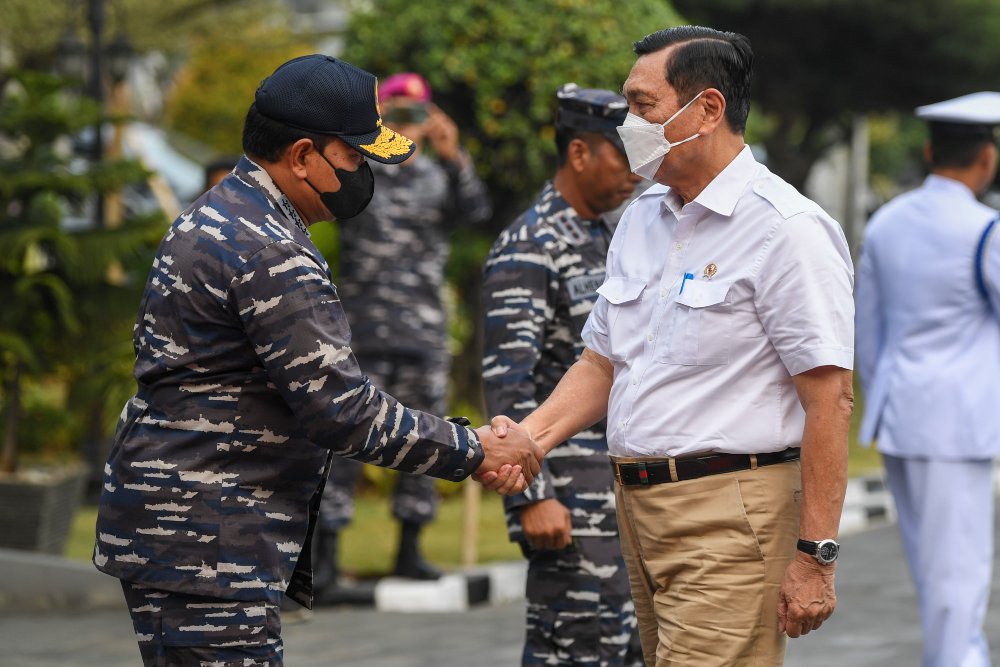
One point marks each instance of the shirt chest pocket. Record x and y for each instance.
(699, 327)
(624, 297)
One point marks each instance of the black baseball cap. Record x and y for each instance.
(323, 95)
(591, 110)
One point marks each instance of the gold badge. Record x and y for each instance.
(710, 270)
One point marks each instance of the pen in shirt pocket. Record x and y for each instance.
(687, 277)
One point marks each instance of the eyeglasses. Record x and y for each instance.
(408, 115)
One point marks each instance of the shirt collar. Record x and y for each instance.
(724, 191)
(259, 176)
(949, 185)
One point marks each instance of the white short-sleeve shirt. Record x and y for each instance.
(710, 308)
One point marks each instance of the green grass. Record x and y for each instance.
(368, 545)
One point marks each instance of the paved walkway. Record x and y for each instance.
(875, 626)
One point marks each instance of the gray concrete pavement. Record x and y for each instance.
(876, 625)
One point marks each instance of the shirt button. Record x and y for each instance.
(635, 380)
(663, 292)
(650, 338)
(679, 246)
(621, 424)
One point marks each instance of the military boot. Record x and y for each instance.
(409, 563)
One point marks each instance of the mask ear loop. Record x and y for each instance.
(681, 110)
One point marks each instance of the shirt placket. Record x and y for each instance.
(683, 223)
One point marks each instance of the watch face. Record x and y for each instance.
(826, 551)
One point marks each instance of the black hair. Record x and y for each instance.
(954, 145)
(267, 139)
(707, 58)
(564, 136)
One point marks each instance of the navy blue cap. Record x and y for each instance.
(323, 95)
(591, 110)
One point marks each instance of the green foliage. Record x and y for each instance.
(819, 62)
(215, 88)
(495, 67)
(32, 28)
(64, 293)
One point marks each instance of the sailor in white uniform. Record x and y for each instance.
(928, 348)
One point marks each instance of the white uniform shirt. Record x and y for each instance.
(711, 307)
(928, 342)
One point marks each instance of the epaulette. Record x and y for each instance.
(785, 199)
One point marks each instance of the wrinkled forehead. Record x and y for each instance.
(647, 79)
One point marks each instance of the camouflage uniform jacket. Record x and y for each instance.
(540, 284)
(393, 255)
(247, 387)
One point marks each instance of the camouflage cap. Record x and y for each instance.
(591, 110)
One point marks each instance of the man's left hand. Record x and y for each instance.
(807, 596)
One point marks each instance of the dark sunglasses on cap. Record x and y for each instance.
(408, 115)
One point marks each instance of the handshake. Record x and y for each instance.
(512, 457)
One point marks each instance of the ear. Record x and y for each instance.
(578, 155)
(713, 105)
(295, 157)
(987, 156)
(928, 153)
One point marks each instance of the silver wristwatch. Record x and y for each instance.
(825, 551)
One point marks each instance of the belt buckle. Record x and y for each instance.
(643, 473)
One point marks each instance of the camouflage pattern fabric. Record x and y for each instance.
(247, 388)
(179, 629)
(392, 263)
(580, 609)
(393, 255)
(419, 383)
(539, 286)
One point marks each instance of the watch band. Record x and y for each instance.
(824, 551)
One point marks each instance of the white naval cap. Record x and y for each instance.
(975, 109)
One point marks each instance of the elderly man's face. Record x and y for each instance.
(647, 91)
(652, 98)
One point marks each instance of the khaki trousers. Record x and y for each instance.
(706, 558)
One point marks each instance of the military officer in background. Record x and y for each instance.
(391, 279)
(248, 392)
(928, 346)
(541, 280)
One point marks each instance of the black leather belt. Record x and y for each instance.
(658, 472)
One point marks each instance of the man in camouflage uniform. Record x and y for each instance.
(247, 386)
(391, 280)
(540, 284)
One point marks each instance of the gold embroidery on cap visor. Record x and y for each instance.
(388, 144)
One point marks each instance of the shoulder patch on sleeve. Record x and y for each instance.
(785, 199)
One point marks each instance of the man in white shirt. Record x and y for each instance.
(929, 360)
(721, 344)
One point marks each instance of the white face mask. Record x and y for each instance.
(646, 144)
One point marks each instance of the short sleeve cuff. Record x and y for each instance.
(595, 340)
(823, 355)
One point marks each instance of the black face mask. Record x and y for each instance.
(356, 190)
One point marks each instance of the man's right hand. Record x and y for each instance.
(547, 525)
(511, 446)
